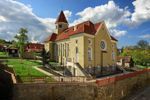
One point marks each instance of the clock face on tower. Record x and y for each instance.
(103, 45)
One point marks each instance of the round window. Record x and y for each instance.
(103, 45)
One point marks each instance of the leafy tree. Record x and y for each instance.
(143, 44)
(140, 56)
(21, 38)
(2, 41)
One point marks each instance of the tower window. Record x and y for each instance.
(89, 41)
(60, 26)
(76, 41)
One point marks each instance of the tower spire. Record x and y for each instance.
(61, 23)
(61, 18)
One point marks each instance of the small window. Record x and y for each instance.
(60, 26)
(89, 41)
(76, 41)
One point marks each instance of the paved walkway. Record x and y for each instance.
(142, 95)
(61, 78)
(45, 72)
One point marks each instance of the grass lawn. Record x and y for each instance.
(24, 67)
(3, 54)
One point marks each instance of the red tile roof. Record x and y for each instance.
(61, 18)
(52, 37)
(85, 27)
(34, 47)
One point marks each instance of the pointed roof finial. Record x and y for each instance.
(61, 18)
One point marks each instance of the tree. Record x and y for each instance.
(21, 38)
(45, 57)
(143, 44)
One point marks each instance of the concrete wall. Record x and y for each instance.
(112, 88)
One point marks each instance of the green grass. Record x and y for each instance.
(3, 54)
(24, 67)
(142, 67)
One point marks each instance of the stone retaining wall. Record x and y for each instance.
(112, 88)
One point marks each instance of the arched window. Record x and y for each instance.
(77, 50)
(89, 53)
(113, 56)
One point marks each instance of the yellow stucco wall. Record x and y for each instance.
(103, 34)
(81, 41)
(72, 49)
(49, 47)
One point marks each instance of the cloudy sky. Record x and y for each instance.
(127, 20)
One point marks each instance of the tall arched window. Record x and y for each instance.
(89, 53)
(113, 56)
(76, 54)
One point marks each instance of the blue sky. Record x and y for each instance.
(127, 20)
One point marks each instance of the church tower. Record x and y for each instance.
(61, 23)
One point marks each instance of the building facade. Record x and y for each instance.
(88, 44)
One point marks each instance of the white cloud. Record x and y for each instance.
(111, 13)
(14, 15)
(118, 33)
(2, 18)
(141, 11)
(114, 16)
(145, 36)
(67, 13)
